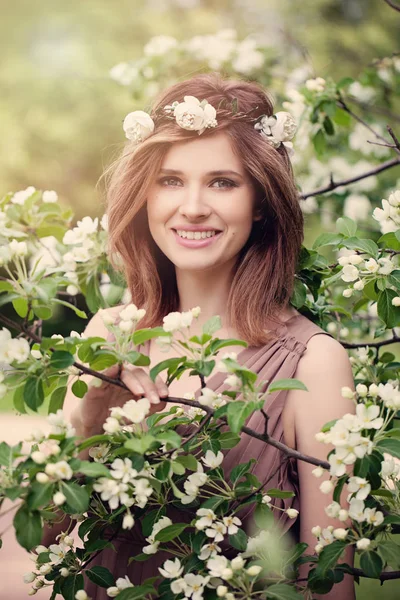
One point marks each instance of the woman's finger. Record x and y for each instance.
(137, 380)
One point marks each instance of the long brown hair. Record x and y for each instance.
(264, 277)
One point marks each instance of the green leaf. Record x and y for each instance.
(33, 393)
(212, 325)
(171, 364)
(100, 576)
(371, 563)
(229, 439)
(6, 298)
(263, 516)
(299, 295)
(6, 286)
(18, 399)
(79, 388)
(389, 314)
(188, 461)
(177, 468)
(60, 359)
(329, 556)
(170, 437)
(286, 384)
(140, 445)
(40, 495)
(365, 245)
(238, 540)
(42, 312)
(5, 454)
(346, 226)
(237, 414)
(171, 532)
(319, 143)
(275, 493)
(93, 469)
(390, 553)
(57, 399)
(216, 345)
(71, 585)
(390, 241)
(102, 360)
(142, 335)
(137, 593)
(239, 471)
(94, 298)
(327, 239)
(77, 497)
(163, 470)
(28, 528)
(281, 591)
(391, 446)
(21, 307)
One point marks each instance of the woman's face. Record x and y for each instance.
(202, 190)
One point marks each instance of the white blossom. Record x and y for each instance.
(172, 569)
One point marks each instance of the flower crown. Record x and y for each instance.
(195, 115)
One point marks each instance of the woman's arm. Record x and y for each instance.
(324, 368)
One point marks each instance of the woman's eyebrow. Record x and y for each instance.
(219, 172)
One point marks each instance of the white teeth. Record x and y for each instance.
(195, 235)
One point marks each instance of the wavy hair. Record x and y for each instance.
(264, 276)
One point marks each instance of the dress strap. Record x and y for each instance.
(302, 329)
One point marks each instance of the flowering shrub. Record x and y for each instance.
(141, 465)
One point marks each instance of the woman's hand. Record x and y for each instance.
(94, 408)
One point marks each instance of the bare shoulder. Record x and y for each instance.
(324, 369)
(96, 326)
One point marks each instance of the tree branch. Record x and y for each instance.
(210, 412)
(382, 167)
(392, 5)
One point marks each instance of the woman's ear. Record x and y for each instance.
(257, 215)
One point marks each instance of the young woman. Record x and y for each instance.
(215, 168)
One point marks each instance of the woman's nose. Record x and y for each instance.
(193, 204)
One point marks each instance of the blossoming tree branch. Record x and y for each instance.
(141, 464)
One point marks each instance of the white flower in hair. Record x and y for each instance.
(138, 125)
(193, 115)
(278, 128)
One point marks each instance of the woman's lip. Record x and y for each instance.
(195, 243)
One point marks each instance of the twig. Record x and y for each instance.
(393, 340)
(382, 167)
(392, 5)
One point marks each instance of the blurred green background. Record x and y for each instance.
(61, 113)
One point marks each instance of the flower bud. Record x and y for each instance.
(347, 392)
(59, 498)
(316, 530)
(396, 301)
(347, 293)
(318, 471)
(237, 563)
(29, 577)
(227, 574)
(64, 572)
(128, 522)
(326, 487)
(45, 569)
(42, 477)
(363, 544)
(254, 570)
(340, 533)
(38, 457)
(362, 390)
(222, 590)
(292, 513)
(81, 595)
(343, 515)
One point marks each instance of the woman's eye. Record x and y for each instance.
(168, 181)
